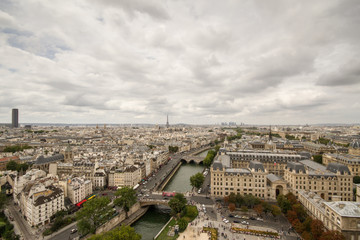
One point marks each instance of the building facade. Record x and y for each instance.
(15, 118)
(351, 161)
(337, 215)
(78, 189)
(333, 181)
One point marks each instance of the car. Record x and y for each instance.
(236, 221)
(225, 220)
(74, 230)
(230, 215)
(259, 219)
(237, 216)
(245, 217)
(199, 191)
(252, 218)
(245, 222)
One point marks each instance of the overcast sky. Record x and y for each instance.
(132, 61)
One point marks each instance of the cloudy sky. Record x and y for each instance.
(132, 61)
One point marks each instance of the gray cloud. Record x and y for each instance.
(348, 74)
(200, 61)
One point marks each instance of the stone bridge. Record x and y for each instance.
(148, 202)
(194, 157)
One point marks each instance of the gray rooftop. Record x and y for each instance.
(345, 209)
(43, 160)
(272, 177)
(257, 166)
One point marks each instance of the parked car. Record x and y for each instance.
(230, 215)
(236, 221)
(259, 219)
(245, 222)
(74, 230)
(252, 218)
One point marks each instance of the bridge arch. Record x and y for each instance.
(145, 203)
(183, 160)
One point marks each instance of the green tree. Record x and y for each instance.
(22, 167)
(239, 200)
(356, 179)
(119, 233)
(11, 165)
(318, 158)
(3, 200)
(177, 203)
(173, 149)
(284, 203)
(94, 213)
(182, 224)
(197, 180)
(275, 210)
(250, 201)
(126, 198)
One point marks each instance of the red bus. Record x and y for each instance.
(79, 204)
(168, 194)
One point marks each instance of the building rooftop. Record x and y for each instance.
(345, 209)
(272, 177)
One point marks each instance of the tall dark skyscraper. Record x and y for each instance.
(15, 118)
(167, 121)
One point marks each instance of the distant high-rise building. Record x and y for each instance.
(15, 118)
(167, 121)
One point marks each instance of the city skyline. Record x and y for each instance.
(203, 62)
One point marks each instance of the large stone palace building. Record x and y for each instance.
(351, 161)
(336, 215)
(273, 162)
(266, 175)
(334, 181)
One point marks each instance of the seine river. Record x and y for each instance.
(156, 217)
(151, 223)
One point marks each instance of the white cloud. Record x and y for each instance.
(200, 61)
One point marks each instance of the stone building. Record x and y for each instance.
(42, 203)
(333, 181)
(125, 176)
(100, 178)
(316, 148)
(253, 180)
(78, 189)
(351, 161)
(273, 162)
(336, 215)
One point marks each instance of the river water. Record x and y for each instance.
(156, 217)
(180, 182)
(151, 223)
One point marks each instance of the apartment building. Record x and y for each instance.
(42, 203)
(100, 178)
(341, 216)
(78, 188)
(333, 181)
(125, 176)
